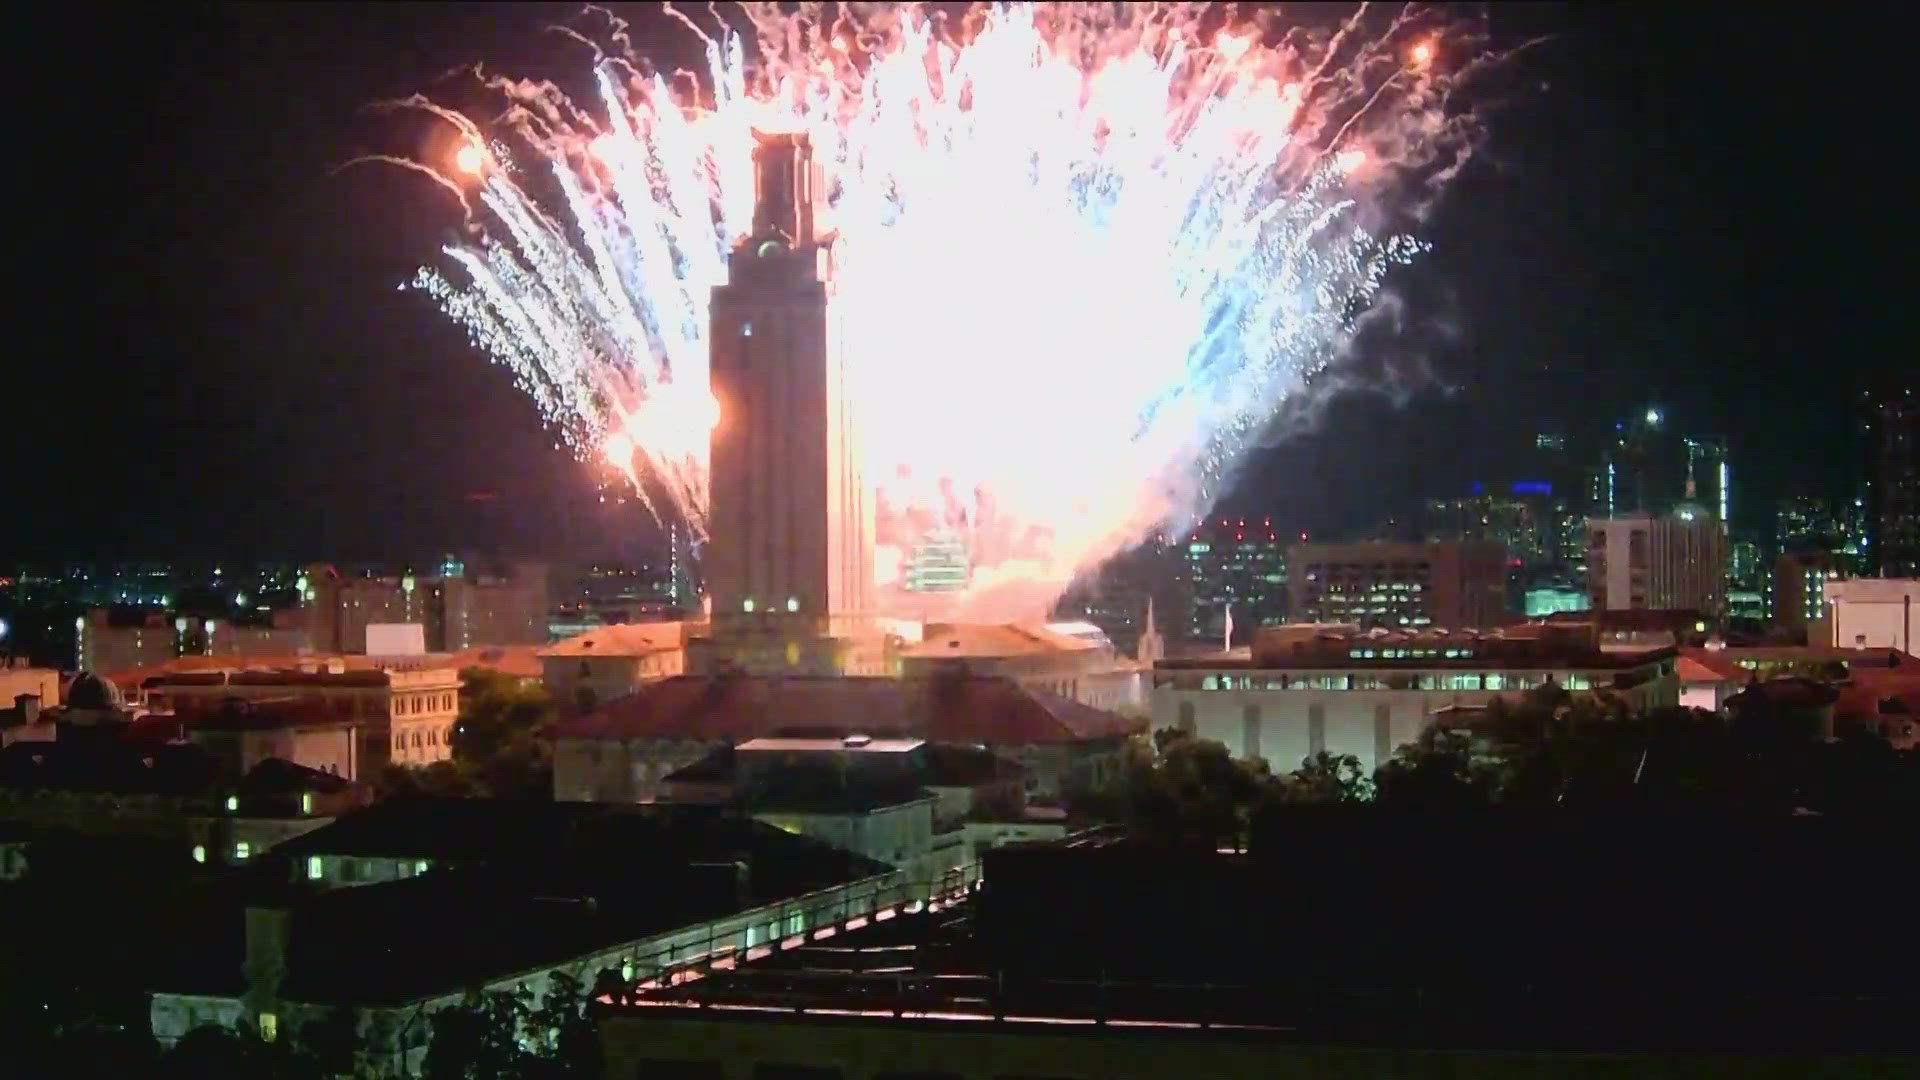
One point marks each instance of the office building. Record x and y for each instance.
(1236, 564)
(1400, 585)
(610, 662)
(1674, 562)
(1893, 470)
(1813, 522)
(1749, 582)
(458, 608)
(1308, 689)
(403, 713)
(1799, 586)
(1874, 613)
(789, 565)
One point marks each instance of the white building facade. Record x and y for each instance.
(1370, 697)
(1874, 613)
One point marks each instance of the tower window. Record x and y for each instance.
(793, 604)
(746, 328)
(746, 605)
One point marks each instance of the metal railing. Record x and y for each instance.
(726, 942)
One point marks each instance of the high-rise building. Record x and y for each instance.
(1668, 563)
(1458, 585)
(1645, 468)
(1893, 471)
(938, 564)
(1803, 523)
(1748, 584)
(1649, 468)
(1233, 564)
(1709, 478)
(1517, 515)
(1799, 586)
(789, 566)
(458, 608)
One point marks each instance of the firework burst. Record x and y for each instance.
(1086, 252)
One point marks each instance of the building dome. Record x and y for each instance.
(91, 692)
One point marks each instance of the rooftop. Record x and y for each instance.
(621, 639)
(547, 834)
(959, 708)
(1706, 666)
(935, 765)
(979, 641)
(851, 744)
(1319, 647)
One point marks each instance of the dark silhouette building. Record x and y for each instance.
(1893, 471)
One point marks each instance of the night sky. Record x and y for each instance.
(1679, 210)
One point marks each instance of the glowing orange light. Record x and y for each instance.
(469, 159)
(1351, 160)
(1422, 54)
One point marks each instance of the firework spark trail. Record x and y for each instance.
(1086, 252)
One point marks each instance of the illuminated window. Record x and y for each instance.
(241, 850)
(200, 853)
(793, 604)
(746, 605)
(420, 867)
(233, 803)
(306, 802)
(314, 868)
(746, 328)
(269, 1027)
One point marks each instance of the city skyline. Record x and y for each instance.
(1598, 257)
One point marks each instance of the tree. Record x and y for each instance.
(1434, 772)
(495, 712)
(212, 1050)
(1193, 793)
(1326, 778)
(479, 1039)
(501, 1034)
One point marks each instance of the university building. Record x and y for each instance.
(1302, 690)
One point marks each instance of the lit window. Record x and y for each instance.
(306, 802)
(746, 605)
(233, 803)
(420, 867)
(269, 1027)
(793, 604)
(313, 868)
(241, 850)
(746, 328)
(200, 853)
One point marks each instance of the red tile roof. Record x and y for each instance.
(1708, 665)
(953, 709)
(517, 661)
(621, 639)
